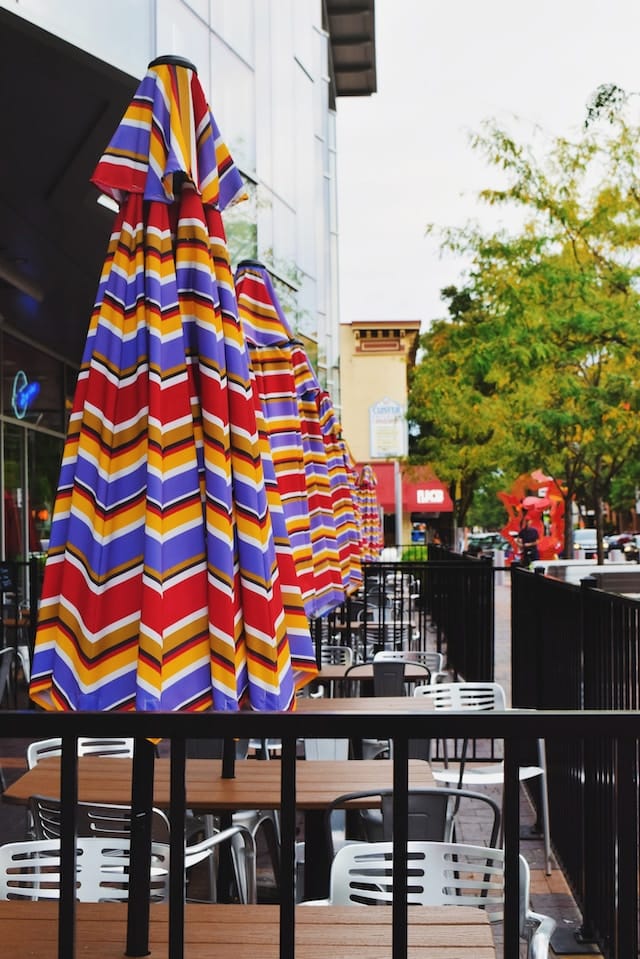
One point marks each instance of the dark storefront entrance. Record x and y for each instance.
(59, 108)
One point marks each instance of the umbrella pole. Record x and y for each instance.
(229, 758)
(140, 850)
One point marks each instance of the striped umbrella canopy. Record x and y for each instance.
(289, 393)
(342, 477)
(170, 582)
(371, 538)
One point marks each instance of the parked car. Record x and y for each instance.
(485, 542)
(631, 549)
(616, 541)
(585, 543)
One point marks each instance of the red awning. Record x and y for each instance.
(422, 491)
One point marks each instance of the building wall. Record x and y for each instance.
(374, 360)
(373, 370)
(263, 66)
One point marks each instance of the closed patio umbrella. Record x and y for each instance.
(164, 587)
(371, 538)
(290, 396)
(342, 479)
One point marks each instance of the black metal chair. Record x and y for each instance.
(388, 677)
(432, 815)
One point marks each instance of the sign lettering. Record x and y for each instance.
(425, 496)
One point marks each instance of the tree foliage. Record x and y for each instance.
(537, 364)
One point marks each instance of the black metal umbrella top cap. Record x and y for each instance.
(249, 264)
(174, 61)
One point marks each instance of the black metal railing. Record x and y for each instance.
(446, 601)
(578, 647)
(461, 604)
(615, 733)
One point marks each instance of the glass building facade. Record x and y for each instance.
(268, 71)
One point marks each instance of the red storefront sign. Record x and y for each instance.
(422, 491)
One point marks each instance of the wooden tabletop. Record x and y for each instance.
(365, 704)
(256, 784)
(342, 932)
(332, 672)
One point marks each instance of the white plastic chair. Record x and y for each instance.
(336, 655)
(328, 749)
(25, 661)
(10, 657)
(108, 821)
(116, 747)
(255, 820)
(441, 874)
(31, 869)
(484, 697)
(535, 928)
(6, 661)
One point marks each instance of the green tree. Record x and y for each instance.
(543, 341)
(486, 510)
(456, 412)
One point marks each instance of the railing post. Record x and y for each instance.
(511, 813)
(627, 815)
(400, 839)
(140, 850)
(68, 853)
(177, 815)
(287, 849)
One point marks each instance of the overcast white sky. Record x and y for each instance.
(443, 67)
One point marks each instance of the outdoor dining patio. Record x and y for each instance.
(320, 788)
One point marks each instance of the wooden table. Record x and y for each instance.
(335, 675)
(347, 705)
(333, 672)
(256, 786)
(244, 932)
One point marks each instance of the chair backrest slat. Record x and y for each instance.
(438, 873)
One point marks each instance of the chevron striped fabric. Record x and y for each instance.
(315, 506)
(371, 538)
(342, 495)
(170, 583)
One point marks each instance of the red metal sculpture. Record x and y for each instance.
(540, 498)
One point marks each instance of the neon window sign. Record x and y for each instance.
(23, 394)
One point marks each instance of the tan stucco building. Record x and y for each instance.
(375, 357)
